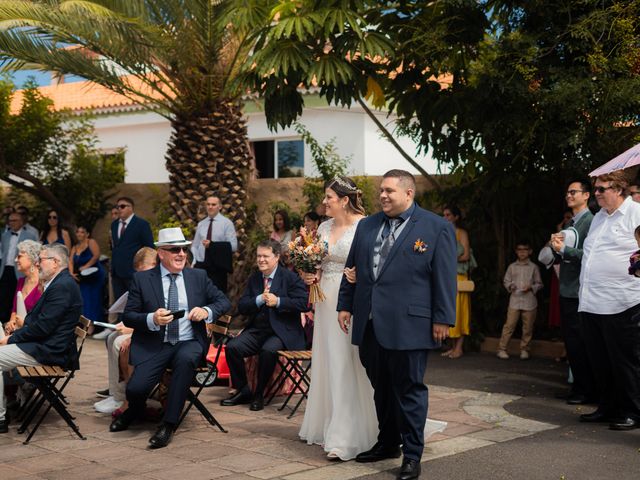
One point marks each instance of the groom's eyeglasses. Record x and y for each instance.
(176, 250)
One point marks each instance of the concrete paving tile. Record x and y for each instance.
(11, 472)
(146, 461)
(461, 429)
(105, 453)
(343, 471)
(293, 450)
(201, 451)
(278, 471)
(497, 435)
(11, 453)
(452, 446)
(244, 462)
(82, 472)
(70, 444)
(197, 471)
(50, 462)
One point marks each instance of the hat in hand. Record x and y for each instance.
(171, 237)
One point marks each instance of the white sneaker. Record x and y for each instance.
(101, 335)
(524, 355)
(108, 405)
(502, 355)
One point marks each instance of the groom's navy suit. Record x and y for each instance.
(393, 315)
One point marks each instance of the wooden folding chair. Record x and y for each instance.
(218, 332)
(295, 366)
(46, 378)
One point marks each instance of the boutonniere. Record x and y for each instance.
(419, 246)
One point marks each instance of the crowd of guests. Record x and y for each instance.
(367, 400)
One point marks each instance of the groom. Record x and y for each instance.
(403, 303)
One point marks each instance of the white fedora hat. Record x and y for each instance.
(171, 237)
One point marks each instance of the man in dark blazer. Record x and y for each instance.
(403, 303)
(129, 234)
(273, 300)
(159, 340)
(48, 334)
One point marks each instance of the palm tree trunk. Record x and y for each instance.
(209, 155)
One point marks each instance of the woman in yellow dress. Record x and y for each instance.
(463, 299)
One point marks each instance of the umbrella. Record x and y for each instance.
(627, 159)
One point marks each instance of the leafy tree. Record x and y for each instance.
(179, 57)
(53, 157)
(514, 97)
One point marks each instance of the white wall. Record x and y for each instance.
(145, 137)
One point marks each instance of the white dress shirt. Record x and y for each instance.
(222, 230)
(606, 287)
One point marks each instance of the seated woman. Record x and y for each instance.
(83, 256)
(28, 287)
(53, 232)
(118, 343)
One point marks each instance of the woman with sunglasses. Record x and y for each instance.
(85, 267)
(53, 232)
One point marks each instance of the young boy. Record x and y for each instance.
(522, 280)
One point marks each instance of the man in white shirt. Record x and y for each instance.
(214, 242)
(610, 303)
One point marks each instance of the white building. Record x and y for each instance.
(122, 124)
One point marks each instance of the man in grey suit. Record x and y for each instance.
(9, 275)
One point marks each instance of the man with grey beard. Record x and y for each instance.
(47, 336)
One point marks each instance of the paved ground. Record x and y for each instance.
(498, 413)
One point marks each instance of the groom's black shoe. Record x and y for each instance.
(410, 469)
(241, 397)
(379, 452)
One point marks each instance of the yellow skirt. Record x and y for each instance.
(463, 313)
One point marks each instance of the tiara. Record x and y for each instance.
(344, 184)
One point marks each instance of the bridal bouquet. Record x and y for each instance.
(306, 252)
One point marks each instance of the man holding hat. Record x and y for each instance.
(577, 197)
(167, 308)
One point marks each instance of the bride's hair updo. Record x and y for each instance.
(345, 187)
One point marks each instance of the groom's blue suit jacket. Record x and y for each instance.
(413, 289)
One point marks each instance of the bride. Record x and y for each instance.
(340, 413)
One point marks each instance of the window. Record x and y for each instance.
(279, 158)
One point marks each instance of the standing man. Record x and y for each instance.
(161, 340)
(583, 389)
(610, 304)
(9, 275)
(214, 242)
(24, 211)
(129, 233)
(403, 252)
(48, 334)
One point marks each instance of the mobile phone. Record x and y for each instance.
(177, 314)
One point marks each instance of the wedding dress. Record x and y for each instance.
(340, 414)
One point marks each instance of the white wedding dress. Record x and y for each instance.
(340, 414)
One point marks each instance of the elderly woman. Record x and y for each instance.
(28, 286)
(610, 303)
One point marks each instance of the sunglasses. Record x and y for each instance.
(573, 192)
(52, 217)
(122, 206)
(176, 250)
(601, 189)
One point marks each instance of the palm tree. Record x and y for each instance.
(180, 58)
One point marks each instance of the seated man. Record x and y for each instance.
(159, 340)
(48, 334)
(273, 300)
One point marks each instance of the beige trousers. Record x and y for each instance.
(528, 319)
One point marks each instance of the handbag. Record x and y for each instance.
(466, 286)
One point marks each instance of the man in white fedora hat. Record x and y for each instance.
(167, 308)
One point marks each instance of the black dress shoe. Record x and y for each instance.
(4, 426)
(578, 399)
(241, 397)
(257, 404)
(163, 436)
(626, 423)
(122, 421)
(379, 452)
(410, 469)
(596, 417)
